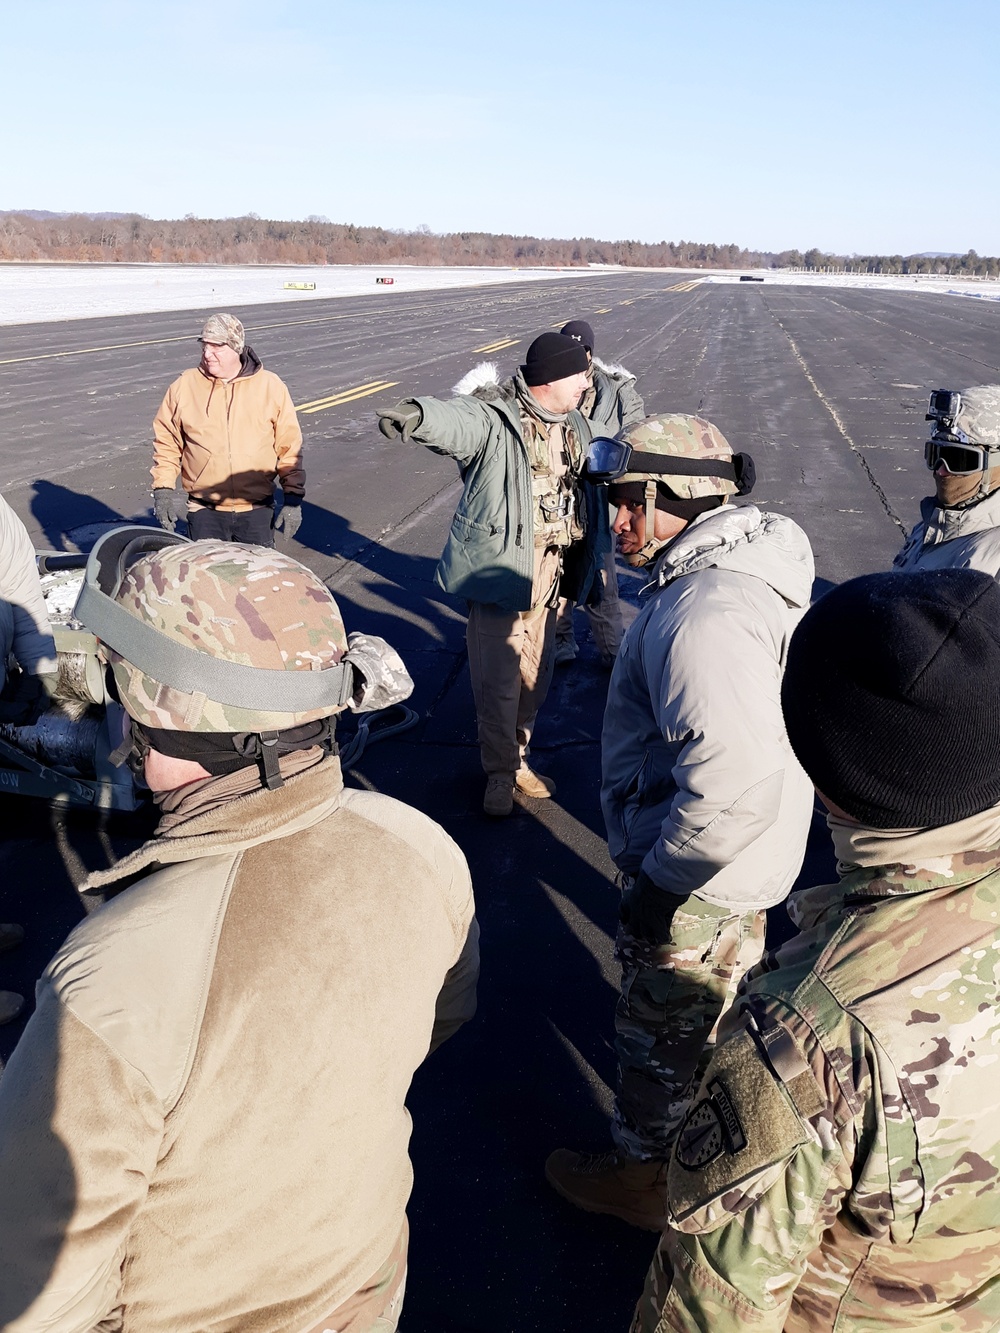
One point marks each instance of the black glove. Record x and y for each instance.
(647, 911)
(400, 421)
(29, 699)
(289, 517)
(165, 507)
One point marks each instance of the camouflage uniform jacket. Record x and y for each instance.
(489, 555)
(954, 538)
(840, 1167)
(612, 403)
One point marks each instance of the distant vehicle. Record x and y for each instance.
(387, 282)
(746, 277)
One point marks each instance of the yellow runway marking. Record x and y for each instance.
(605, 311)
(345, 396)
(498, 346)
(627, 302)
(684, 286)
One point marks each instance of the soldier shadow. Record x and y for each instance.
(70, 520)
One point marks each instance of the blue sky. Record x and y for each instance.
(855, 127)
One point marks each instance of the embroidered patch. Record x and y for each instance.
(736, 1139)
(702, 1137)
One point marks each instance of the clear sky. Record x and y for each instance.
(856, 126)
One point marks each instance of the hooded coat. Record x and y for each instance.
(489, 555)
(616, 402)
(954, 538)
(700, 786)
(228, 439)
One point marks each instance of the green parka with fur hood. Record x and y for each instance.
(489, 555)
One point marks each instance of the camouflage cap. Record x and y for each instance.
(979, 416)
(687, 437)
(247, 605)
(224, 331)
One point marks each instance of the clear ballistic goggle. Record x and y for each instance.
(608, 460)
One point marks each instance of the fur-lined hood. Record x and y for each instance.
(616, 371)
(483, 380)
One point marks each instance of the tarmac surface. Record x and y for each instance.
(827, 390)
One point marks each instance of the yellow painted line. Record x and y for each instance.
(605, 311)
(315, 402)
(684, 286)
(350, 396)
(627, 302)
(82, 351)
(498, 346)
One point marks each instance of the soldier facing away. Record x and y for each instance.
(204, 1123)
(840, 1167)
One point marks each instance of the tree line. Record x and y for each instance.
(131, 238)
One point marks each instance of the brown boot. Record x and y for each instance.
(611, 1183)
(499, 799)
(529, 782)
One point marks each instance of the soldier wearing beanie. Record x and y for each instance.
(611, 404)
(520, 445)
(959, 524)
(228, 428)
(840, 1166)
(204, 1125)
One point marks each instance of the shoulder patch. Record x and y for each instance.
(743, 1123)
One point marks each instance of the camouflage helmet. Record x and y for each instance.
(979, 414)
(686, 437)
(213, 636)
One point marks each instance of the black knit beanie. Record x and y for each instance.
(551, 357)
(581, 332)
(891, 697)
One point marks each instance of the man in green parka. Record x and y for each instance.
(520, 446)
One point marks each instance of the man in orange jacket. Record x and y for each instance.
(228, 428)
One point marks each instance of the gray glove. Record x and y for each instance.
(166, 507)
(379, 674)
(647, 911)
(289, 517)
(400, 421)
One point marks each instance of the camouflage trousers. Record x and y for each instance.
(672, 998)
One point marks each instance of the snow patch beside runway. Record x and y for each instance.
(40, 293)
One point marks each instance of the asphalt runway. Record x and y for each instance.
(825, 387)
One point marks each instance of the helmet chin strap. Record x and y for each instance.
(648, 550)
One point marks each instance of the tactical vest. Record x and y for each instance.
(557, 515)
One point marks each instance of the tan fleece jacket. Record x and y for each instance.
(203, 1125)
(229, 440)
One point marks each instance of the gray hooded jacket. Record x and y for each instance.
(700, 787)
(954, 538)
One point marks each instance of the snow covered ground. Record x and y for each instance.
(38, 293)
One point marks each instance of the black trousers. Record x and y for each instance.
(252, 526)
